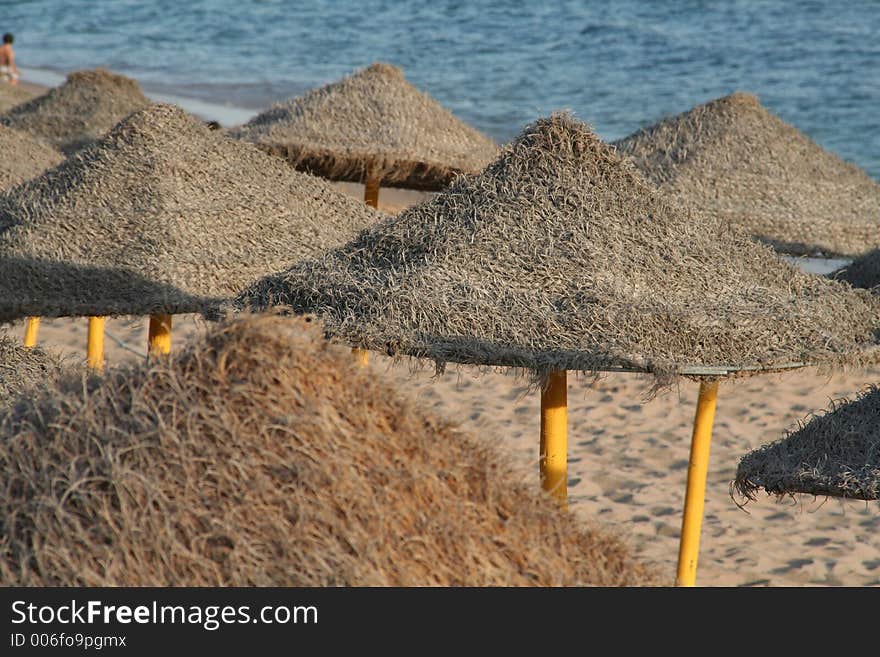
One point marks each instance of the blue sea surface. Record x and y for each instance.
(498, 65)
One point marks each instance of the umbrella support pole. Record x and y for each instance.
(95, 349)
(160, 335)
(30, 332)
(371, 198)
(554, 436)
(695, 497)
(371, 191)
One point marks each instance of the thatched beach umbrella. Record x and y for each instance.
(560, 257)
(262, 456)
(732, 158)
(24, 157)
(372, 127)
(836, 453)
(375, 128)
(22, 368)
(160, 217)
(80, 111)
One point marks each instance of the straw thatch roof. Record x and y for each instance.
(23, 157)
(263, 455)
(15, 94)
(159, 216)
(863, 272)
(836, 453)
(21, 368)
(80, 111)
(376, 120)
(559, 256)
(734, 159)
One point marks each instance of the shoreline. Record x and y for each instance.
(225, 115)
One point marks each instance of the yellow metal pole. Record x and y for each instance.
(695, 498)
(30, 331)
(95, 351)
(371, 191)
(160, 335)
(554, 436)
(371, 198)
(371, 188)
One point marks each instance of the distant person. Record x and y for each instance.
(8, 69)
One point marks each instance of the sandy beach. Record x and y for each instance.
(628, 452)
(628, 460)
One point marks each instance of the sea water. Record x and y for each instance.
(619, 65)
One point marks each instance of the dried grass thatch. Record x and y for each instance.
(15, 94)
(161, 216)
(264, 455)
(560, 257)
(734, 159)
(863, 272)
(23, 157)
(376, 121)
(80, 111)
(21, 368)
(836, 453)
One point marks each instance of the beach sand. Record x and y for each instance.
(12, 95)
(628, 454)
(32, 88)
